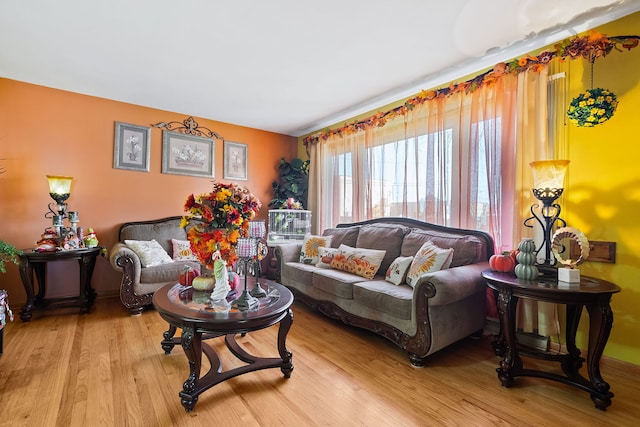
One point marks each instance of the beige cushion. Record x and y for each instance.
(182, 250)
(384, 237)
(429, 258)
(309, 251)
(467, 249)
(149, 251)
(325, 256)
(397, 271)
(342, 236)
(360, 261)
(383, 297)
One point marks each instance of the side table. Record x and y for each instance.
(594, 294)
(31, 262)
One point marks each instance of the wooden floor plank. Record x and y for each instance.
(107, 368)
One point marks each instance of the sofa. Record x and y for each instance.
(139, 282)
(439, 308)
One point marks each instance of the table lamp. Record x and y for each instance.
(548, 185)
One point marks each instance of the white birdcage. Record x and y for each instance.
(287, 224)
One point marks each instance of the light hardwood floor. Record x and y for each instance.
(107, 369)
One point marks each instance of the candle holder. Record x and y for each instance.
(257, 231)
(245, 301)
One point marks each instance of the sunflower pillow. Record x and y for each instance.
(309, 253)
(428, 259)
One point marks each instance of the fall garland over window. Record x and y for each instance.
(590, 46)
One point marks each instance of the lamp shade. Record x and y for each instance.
(549, 174)
(59, 184)
(59, 187)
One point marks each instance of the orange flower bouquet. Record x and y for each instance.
(217, 219)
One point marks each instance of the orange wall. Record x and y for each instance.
(46, 131)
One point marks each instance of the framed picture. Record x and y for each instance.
(132, 147)
(235, 160)
(187, 154)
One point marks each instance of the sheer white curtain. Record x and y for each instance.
(442, 162)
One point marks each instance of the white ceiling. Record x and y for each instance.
(287, 66)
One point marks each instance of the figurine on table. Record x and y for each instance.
(90, 240)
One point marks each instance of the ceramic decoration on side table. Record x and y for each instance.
(526, 268)
(568, 273)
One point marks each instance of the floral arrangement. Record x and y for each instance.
(217, 219)
(591, 46)
(291, 203)
(592, 107)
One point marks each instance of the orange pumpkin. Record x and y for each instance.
(502, 262)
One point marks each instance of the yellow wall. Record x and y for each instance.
(45, 131)
(602, 195)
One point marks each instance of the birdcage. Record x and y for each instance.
(288, 224)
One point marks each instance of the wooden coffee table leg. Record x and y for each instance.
(283, 330)
(169, 342)
(192, 345)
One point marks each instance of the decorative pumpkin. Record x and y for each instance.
(526, 271)
(203, 283)
(502, 262)
(514, 254)
(527, 245)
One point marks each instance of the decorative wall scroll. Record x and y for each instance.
(190, 127)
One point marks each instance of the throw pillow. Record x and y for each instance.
(325, 256)
(182, 250)
(397, 271)
(428, 259)
(310, 245)
(149, 251)
(360, 261)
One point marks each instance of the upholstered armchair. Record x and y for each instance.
(140, 276)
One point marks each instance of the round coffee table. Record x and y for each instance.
(191, 311)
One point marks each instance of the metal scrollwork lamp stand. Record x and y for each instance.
(548, 177)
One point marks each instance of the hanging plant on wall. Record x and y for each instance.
(593, 107)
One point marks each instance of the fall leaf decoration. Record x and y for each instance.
(591, 46)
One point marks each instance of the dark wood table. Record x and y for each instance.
(592, 293)
(31, 261)
(192, 312)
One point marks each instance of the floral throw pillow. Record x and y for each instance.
(397, 271)
(325, 256)
(360, 261)
(310, 245)
(149, 251)
(182, 250)
(428, 259)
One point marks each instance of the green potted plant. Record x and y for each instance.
(8, 253)
(293, 183)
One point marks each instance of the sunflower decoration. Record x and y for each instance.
(592, 107)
